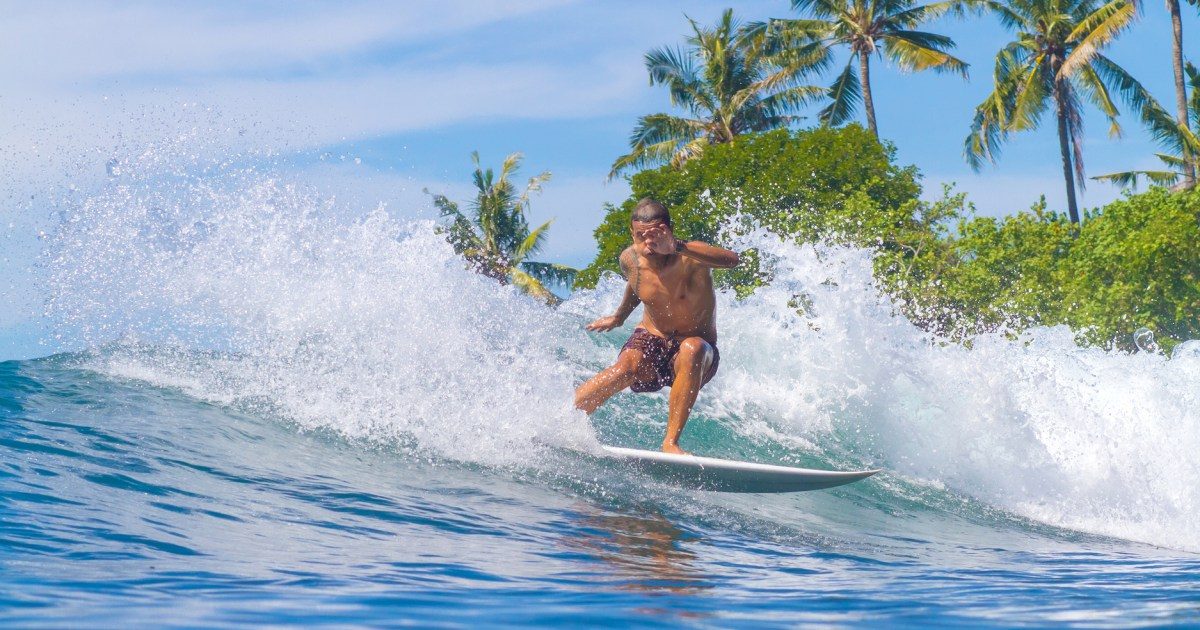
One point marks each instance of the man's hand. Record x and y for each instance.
(659, 240)
(605, 324)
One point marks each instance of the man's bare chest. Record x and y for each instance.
(676, 286)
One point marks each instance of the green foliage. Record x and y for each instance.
(1134, 263)
(803, 184)
(989, 274)
(496, 239)
(1137, 264)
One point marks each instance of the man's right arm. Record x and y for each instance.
(629, 300)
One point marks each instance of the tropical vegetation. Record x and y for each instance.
(1054, 60)
(726, 86)
(735, 158)
(797, 183)
(1134, 263)
(885, 27)
(1176, 137)
(495, 238)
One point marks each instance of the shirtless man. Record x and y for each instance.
(676, 343)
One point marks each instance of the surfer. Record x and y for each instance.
(675, 345)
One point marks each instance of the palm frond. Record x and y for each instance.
(790, 31)
(511, 163)
(819, 8)
(780, 104)
(802, 58)
(550, 273)
(531, 243)
(845, 94)
(909, 18)
(676, 69)
(688, 151)
(1074, 118)
(1193, 105)
(916, 51)
(1027, 94)
(1096, 31)
(658, 128)
(643, 156)
(1129, 179)
(1167, 132)
(460, 232)
(756, 36)
(671, 65)
(534, 186)
(1171, 160)
(1090, 85)
(987, 134)
(531, 286)
(1012, 105)
(1117, 78)
(1163, 178)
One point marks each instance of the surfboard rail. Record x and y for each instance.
(727, 475)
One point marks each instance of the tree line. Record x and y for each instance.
(1132, 264)
(734, 78)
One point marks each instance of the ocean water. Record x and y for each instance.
(286, 411)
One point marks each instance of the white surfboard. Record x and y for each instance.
(726, 475)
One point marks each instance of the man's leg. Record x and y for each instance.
(694, 358)
(609, 381)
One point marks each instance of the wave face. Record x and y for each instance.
(265, 300)
(264, 312)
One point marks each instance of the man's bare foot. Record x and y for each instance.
(673, 448)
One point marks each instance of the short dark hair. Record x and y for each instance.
(651, 211)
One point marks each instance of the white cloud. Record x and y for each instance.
(85, 95)
(56, 43)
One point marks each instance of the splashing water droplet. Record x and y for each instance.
(1144, 339)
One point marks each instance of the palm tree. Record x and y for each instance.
(1179, 139)
(727, 87)
(1181, 98)
(881, 26)
(1054, 59)
(496, 239)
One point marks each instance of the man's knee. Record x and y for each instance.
(627, 364)
(695, 350)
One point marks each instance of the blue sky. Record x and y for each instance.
(411, 88)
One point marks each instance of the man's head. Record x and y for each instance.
(650, 223)
(651, 211)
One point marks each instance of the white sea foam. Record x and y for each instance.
(371, 327)
(1077, 437)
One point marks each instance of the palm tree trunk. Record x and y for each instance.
(1189, 167)
(864, 69)
(1064, 145)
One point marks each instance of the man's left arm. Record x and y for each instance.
(707, 255)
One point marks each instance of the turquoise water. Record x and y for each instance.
(285, 411)
(125, 502)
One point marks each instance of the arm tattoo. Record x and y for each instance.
(637, 273)
(635, 280)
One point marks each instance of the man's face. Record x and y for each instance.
(649, 233)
